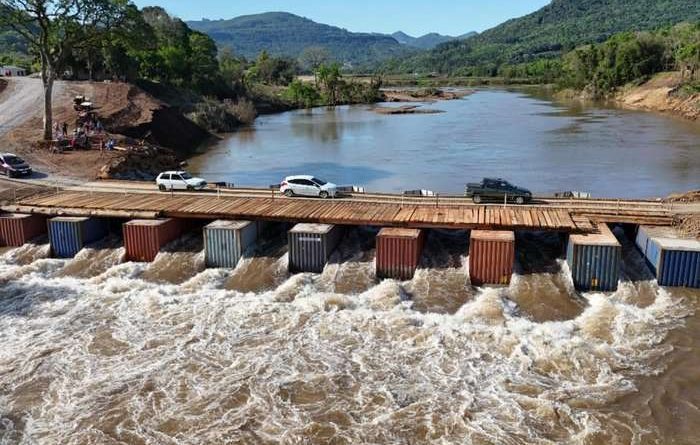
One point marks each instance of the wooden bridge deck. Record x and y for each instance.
(341, 211)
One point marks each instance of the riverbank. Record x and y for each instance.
(665, 93)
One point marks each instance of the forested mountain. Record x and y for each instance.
(549, 32)
(427, 41)
(284, 34)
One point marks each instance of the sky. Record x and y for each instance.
(415, 17)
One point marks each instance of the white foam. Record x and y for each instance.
(119, 356)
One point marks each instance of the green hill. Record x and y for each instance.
(556, 28)
(284, 34)
(427, 41)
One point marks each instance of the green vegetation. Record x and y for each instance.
(546, 34)
(286, 35)
(330, 88)
(624, 58)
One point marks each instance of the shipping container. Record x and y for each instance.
(310, 246)
(491, 256)
(674, 259)
(226, 241)
(399, 252)
(143, 238)
(17, 229)
(68, 235)
(594, 260)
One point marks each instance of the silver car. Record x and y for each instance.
(304, 185)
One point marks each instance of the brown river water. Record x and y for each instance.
(96, 351)
(524, 136)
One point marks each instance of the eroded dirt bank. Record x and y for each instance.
(128, 113)
(663, 93)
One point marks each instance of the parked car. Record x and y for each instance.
(497, 190)
(307, 186)
(179, 180)
(14, 166)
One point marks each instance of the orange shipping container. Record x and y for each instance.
(491, 256)
(399, 252)
(16, 229)
(144, 238)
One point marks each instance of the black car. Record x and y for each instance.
(14, 166)
(497, 190)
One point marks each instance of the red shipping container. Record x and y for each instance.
(16, 229)
(399, 252)
(144, 238)
(491, 256)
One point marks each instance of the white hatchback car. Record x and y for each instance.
(179, 180)
(307, 186)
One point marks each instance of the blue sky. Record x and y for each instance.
(415, 17)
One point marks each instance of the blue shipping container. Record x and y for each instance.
(594, 260)
(674, 260)
(226, 241)
(68, 235)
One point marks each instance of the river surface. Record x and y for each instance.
(538, 143)
(97, 351)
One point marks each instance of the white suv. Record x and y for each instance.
(179, 180)
(307, 186)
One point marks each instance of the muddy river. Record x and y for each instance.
(544, 145)
(95, 351)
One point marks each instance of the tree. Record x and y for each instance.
(312, 58)
(329, 76)
(55, 29)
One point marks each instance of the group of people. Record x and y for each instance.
(80, 137)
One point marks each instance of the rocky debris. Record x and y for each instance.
(139, 163)
(406, 109)
(689, 226)
(692, 196)
(424, 95)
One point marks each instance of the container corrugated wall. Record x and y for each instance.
(491, 256)
(310, 245)
(143, 239)
(226, 241)
(68, 235)
(18, 229)
(399, 252)
(674, 260)
(595, 260)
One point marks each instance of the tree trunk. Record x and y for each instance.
(48, 114)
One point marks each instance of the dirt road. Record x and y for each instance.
(21, 101)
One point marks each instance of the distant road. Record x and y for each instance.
(22, 99)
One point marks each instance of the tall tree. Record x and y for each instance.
(55, 29)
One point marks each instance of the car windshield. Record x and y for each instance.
(186, 176)
(319, 181)
(14, 160)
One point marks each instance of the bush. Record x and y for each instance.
(214, 116)
(243, 110)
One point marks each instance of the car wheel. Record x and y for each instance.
(323, 195)
(476, 199)
(288, 193)
(520, 200)
(161, 187)
(10, 174)
(190, 188)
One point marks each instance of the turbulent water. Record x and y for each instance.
(96, 351)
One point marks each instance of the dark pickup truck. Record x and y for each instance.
(497, 190)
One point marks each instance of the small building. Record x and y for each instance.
(12, 71)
